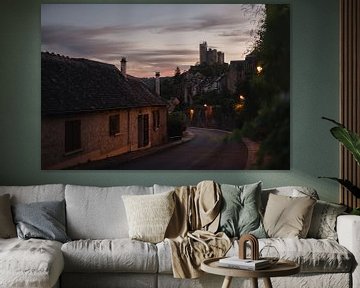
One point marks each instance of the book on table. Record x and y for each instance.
(249, 264)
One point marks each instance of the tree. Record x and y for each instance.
(272, 122)
(177, 72)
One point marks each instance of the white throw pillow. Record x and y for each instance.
(149, 215)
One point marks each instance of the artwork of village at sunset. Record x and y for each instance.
(165, 86)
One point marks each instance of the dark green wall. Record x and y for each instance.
(314, 93)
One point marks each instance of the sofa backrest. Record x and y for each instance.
(98, 212)
(36, 193)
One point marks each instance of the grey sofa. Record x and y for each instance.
(101, 254)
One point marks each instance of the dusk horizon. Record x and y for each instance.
(152, 37)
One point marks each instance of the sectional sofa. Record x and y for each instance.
(100, 253)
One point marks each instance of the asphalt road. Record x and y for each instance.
(206, 151)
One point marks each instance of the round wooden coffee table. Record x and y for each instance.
(281, 268)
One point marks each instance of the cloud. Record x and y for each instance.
(205, 22)
(102, 45)
(233, 33)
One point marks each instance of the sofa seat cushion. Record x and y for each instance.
(30, 263)
(115, 255)
(313, 255)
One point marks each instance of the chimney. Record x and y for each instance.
(157, 83)
(123, 66)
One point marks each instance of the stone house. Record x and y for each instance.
(91, 110)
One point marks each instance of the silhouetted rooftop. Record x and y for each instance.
(74, 85)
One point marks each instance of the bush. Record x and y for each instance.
(176, 124)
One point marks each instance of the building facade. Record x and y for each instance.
(91, 111)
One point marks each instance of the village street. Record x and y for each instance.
(205, 151)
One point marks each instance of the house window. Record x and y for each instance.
(156, 119)
(143, 130)
(114, 125)
(72, 136)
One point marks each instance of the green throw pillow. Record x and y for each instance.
(240, 213)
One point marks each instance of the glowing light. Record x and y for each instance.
(205, 105)
(259, 69)
(242, 97)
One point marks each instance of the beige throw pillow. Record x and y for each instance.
(7, 226)
(148, 215)
(288, 217)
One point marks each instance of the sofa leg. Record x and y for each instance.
(227, 282)
(267, 282)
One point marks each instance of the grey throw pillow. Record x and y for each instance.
(7, 227)
(44, 220)
(240, 213)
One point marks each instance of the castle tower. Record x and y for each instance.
(220, 58)
(212, 56)
(203, 52)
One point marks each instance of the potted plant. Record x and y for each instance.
(351, 141)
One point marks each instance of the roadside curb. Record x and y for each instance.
(253, 148)
(188, 136)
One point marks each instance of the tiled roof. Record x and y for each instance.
(73, 85)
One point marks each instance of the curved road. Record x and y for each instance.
(206, 151)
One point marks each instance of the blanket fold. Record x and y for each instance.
(191, 231)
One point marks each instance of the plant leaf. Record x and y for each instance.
(347, 184)
(349, 139)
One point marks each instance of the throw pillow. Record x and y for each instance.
(288, 217)
(7, 227)
(240, 213)
(323, 222)
(44, 220)
(149, 215)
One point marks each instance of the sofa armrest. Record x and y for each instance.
(348, 230)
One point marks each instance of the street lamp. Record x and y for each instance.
(241, 105)
(259, 69)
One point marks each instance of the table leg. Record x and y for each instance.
(254, 282)
(227, 282)
(267, 283)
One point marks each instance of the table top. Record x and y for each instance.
(281, 268)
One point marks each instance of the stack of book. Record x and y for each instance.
(248, 264)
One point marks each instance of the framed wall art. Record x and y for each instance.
(165, 86)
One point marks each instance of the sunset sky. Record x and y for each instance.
(153, 37)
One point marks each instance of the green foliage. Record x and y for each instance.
(266, 116)
(273, 47)
(176, 124)
(272, 129)
(351, 141)
(209, 70)
(355, 211)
